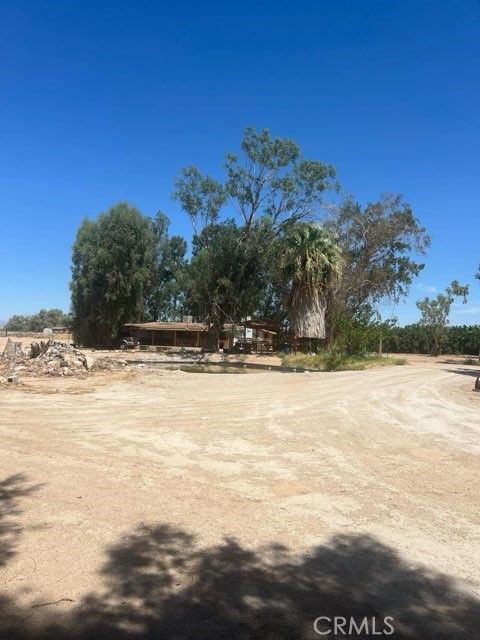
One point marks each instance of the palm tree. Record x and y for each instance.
(311, 264)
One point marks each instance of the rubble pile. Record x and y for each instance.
(44, 358)
(50, 358)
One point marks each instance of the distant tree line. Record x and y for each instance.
(264, 244)
(38, 321)
(417, 338)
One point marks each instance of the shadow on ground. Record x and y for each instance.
(159, 584)
(465, 372)
(11, 490)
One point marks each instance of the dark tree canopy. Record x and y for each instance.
(111, 273)
(166, 297)
(226, 276)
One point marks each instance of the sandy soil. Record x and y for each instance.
(164, 504)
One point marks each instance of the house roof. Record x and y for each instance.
(167, 326)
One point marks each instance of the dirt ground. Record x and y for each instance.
(163, 504)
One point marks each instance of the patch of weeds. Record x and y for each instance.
(335, 360)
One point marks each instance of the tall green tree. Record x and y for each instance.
(166, 297)
(111, 273)
(435, 312)
(311, 263)
(270, 186)
(225, 277)
(382, 245)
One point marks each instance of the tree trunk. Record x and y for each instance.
(307, 314)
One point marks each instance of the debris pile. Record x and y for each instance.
(44, 358)
(51, 358)
(48, 358)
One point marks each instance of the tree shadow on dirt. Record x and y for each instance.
(465, 372)
(11, 490)
(159, 584)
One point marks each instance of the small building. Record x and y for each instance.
(51, 330)
(249, 336)
(169, 334)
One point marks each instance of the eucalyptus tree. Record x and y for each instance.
(269, 179)
(382, 246)
(166, 296)
(225, 277)
(269, 186)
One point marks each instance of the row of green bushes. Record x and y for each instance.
(361, 336)
(415, 338)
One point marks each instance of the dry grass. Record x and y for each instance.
(333, 361)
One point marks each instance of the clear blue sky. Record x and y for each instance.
(102, 101)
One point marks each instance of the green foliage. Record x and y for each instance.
(270, 179)
(273, 180)
(418, 338)
(271, 261)
(310, 263)
(379, 243)
(309, 258)
(335, 360)
(360, 333)
(273, 188)
(166, 298)
(226, 274)
(435, 312)
(111, 273)
(233, 271)
(38, 321)
(201, 197)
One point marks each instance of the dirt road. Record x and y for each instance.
(166, 504)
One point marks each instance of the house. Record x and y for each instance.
(169, 334)
(249, 336)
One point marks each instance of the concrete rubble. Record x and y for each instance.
(49, 358)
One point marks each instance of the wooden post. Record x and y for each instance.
(198, 338)
(174, 338)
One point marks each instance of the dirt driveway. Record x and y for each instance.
(160, 504)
